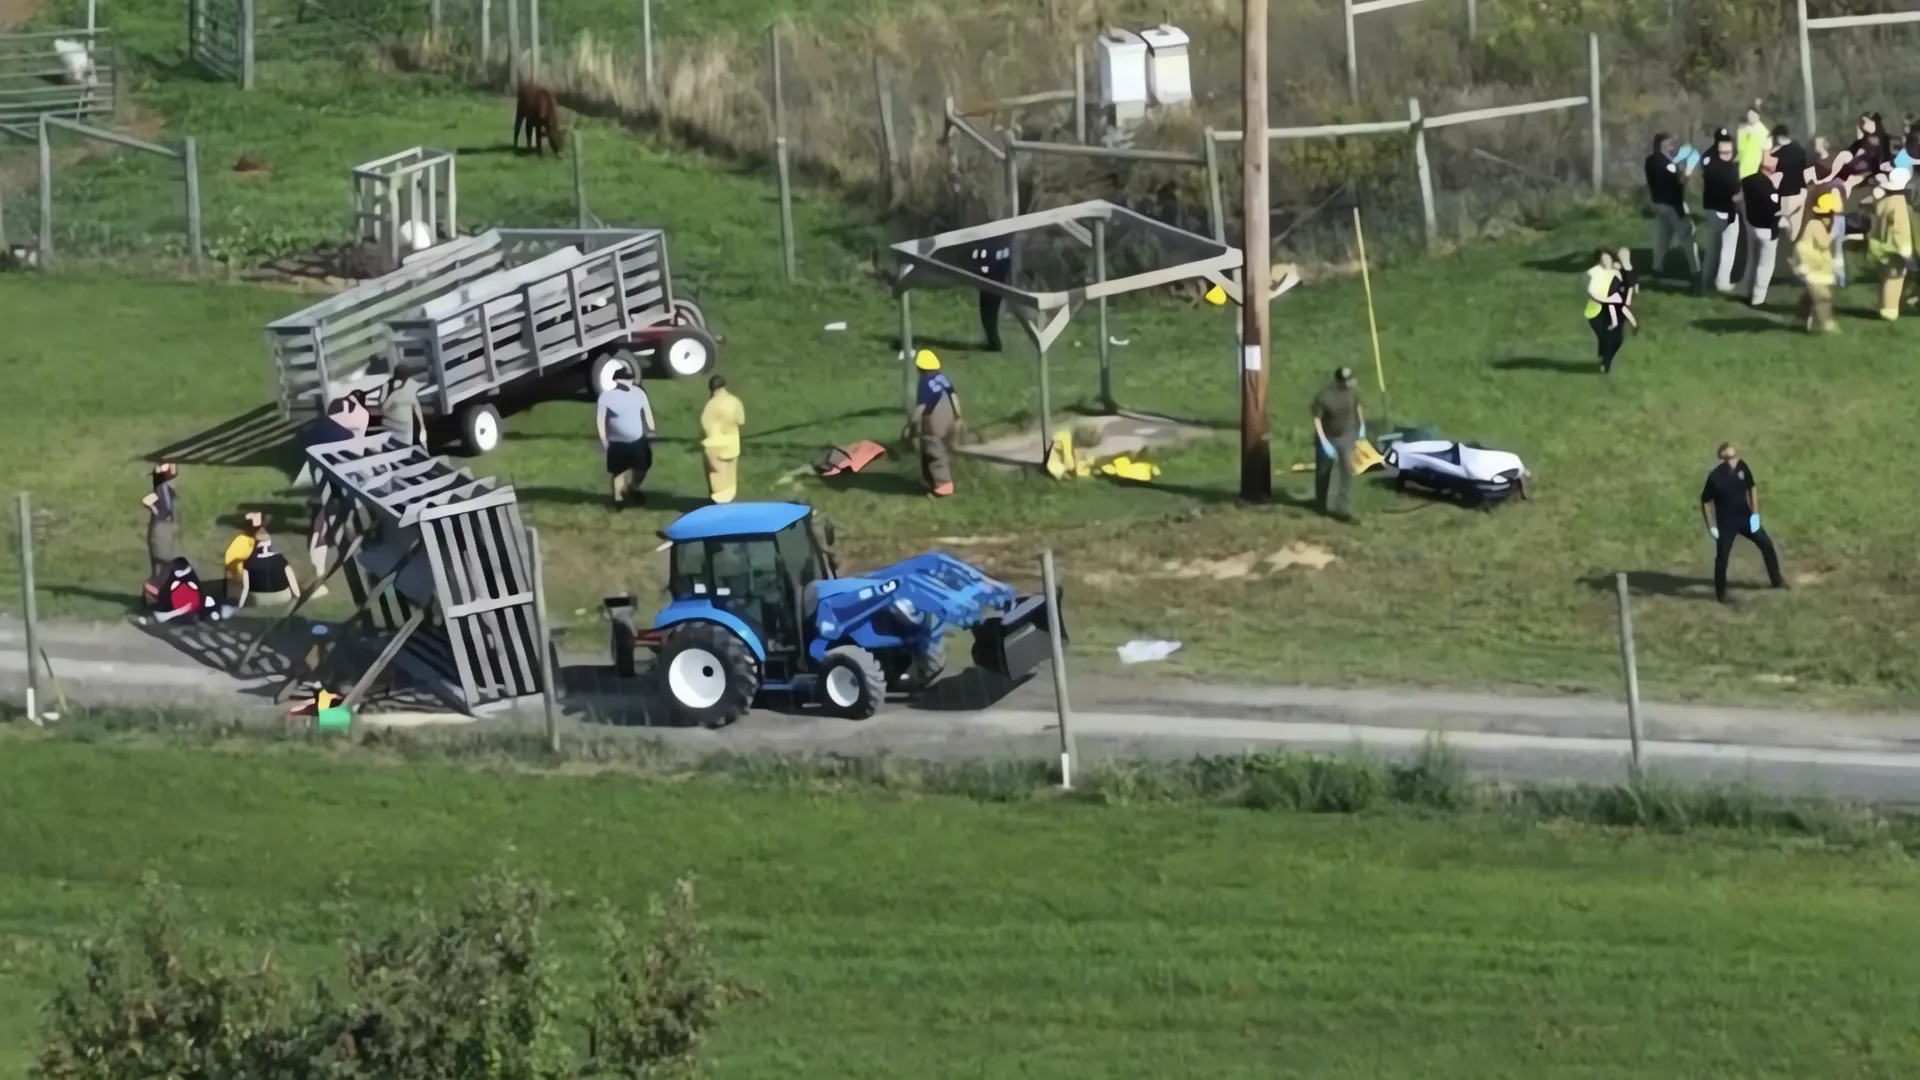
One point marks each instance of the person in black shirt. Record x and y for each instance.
(1667, 191)
(1720, 197)
(1761, 195)
(992, 259)
(1790, 158)
(1730, 504)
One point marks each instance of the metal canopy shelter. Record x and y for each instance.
(1045, 315)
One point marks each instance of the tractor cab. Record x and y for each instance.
(755, 605)
(766, 580)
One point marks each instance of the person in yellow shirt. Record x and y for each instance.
(239, 550)
(1890, 241)
(720, 423)
(1753, 137)
(1813, 255)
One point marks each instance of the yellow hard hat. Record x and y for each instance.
(1828, 203)
(1216, 296)
(926, 361)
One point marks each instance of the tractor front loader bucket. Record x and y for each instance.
(1014, 643)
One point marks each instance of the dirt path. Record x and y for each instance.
(15, 12)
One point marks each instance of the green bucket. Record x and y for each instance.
(337, 718)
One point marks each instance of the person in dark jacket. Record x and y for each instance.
(1720, 197)
(1667, 191)
(991, 259)
(1730, 505)
(1790, 159)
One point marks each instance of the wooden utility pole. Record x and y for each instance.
(1256, 454)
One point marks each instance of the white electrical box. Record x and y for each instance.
(1123, 74)
(1169, 76)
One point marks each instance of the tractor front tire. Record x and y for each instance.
(706, 675)
(852, 683)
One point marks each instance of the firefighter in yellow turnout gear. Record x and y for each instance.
(1813, 254)
(1890, 242)
(720, 423)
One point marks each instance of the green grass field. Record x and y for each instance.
(937, 937)
(102, 369)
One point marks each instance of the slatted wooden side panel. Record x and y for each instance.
(344, 335)
(480, 564)
(549, 322)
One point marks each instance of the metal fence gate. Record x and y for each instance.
(220, 38)
(38, 77)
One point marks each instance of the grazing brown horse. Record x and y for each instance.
(539, 114)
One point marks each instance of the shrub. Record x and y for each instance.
(453, 995)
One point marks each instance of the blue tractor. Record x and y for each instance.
(756, 606)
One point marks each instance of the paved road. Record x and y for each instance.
(1502, 736)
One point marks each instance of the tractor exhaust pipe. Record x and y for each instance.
(1013, 644)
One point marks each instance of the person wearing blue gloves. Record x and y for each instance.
(1730, 504)
(1667, 172)
(1338, 422)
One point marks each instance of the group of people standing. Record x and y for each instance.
(623, 420)
(1759, 186)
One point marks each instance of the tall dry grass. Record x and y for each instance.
(1678, 65)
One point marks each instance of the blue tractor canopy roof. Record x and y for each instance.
(734, 519)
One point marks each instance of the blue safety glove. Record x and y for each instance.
(1753, 523)
(1713, 531)
(1326, 448)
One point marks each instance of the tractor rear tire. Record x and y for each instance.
(706, 675)
(852, 683)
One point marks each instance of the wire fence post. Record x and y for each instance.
(1631, 670)
(1806, 73)
(1106, 342)
(1593, 108)
(907, 378)
(513, 43)
(1216, 203)
(1062, 708)
(646, 47)
(533, 34)
(548, 692)
(1427, 216)
(1080, 93)
(579, 183)
(1473, 19)
(246, 46)
(1353, 62)
(46, 196)
(190, 161)
(789, 263)
(889, 138)
(1013, 176)
(29, 610)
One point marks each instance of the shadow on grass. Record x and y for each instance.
(1657, 583)
(1556, 364)
(1573, 263)
(892, 341)
(258, 438)
(875, 483)
(127, 599)
(1740, 324)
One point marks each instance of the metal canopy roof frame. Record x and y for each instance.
(1045, 315)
